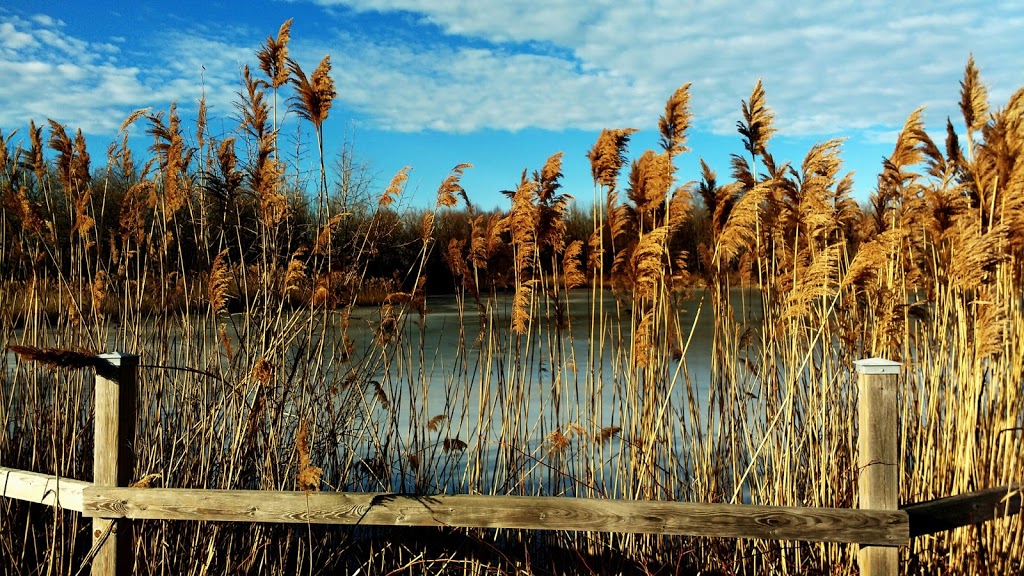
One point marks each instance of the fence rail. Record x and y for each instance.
(879, 529)
(964, 509)
(42, 488)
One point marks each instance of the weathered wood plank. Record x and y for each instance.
(886, 528)
(877, 454)
(113, 457)
(964, 509)
(42, 488)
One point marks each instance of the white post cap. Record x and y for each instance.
(120, 358)
(877, 366)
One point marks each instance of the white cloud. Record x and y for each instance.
(88, 84)
(828, 67)
(13, 39)
(557, 21)
(465, 89)
(44, 20)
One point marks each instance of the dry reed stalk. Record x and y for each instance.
(308, 476)
(395, 187)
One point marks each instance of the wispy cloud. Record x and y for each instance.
(828, 67)
(458, 66)
(463, 89)
(52, 74)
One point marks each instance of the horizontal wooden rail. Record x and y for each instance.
(964, 509)
(42, 488)
(714, 520)
(886, 528)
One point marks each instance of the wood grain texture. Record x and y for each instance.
(886, 528)
(42, 488)
(113, 456)
(964, 509)
(877, 459)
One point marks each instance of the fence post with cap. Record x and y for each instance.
(877, 460)
(114, 456)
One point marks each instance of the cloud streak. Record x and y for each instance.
(89, 85)
(830, 67)
(456, 66)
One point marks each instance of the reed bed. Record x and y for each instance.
(287, 340)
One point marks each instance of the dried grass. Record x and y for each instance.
(537, 388)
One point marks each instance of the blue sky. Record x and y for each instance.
(503, 84)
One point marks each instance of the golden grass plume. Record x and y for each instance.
(308, 476)
(608, 155)
(446, 192)
(273, 55)
(58, 357)
(676, 121)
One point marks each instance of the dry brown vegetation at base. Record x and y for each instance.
(218, 263)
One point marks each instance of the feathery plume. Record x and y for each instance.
(450, 187)
(308, 476)
(217, 289)
(572, 267)
(314, 94)
(453, 445)
(141, 112)
(395, 187)
(973, 97)
(263, 371)
(557, 442)
(756, 126)
(739, 231)
(57, 357)
(35, 135)
(608, 155)
(642, 340)
(436, 421)
(273, 56)
(649, 181)
(606, 434)
(676, 121)
(521, 305)
(648, 258)
(100, 290)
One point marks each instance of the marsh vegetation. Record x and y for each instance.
(218, 254)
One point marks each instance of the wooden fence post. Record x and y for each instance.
(877, 463)
(114, 456)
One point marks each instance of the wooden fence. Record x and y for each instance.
(879, 526)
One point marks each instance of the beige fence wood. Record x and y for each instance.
(878, 479)
(888, 528)
(113, 456)
(42, 488)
